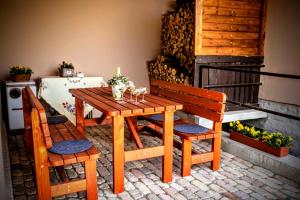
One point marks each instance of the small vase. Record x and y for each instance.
(118, 91)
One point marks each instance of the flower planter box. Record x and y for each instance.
(280, 152)
(21, 77)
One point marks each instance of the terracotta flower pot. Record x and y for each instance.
(280, 152)
(21, 77)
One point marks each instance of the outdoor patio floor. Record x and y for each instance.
(237, 179)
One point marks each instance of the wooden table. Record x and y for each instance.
(101, 99)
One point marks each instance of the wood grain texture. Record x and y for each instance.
(41, 133)
(210, 100)
(198, 27)
(41, 159)
(202, 157)
(225, 23)
(144, 153)
(27, 122)
(131, 123)
(263, 22)
(186, 162)
(67, 188)
(91, 179)
(168, 146)
(216, 146)
(101, 99)
(79, 115)
(118, 154)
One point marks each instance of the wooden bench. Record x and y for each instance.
(196, 101)
(41, 137)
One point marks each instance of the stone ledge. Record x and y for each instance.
(288, 166)
(233, 116)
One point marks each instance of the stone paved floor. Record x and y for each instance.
(237, 179)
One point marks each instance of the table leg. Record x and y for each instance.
(168, 145)
(118, 153)
(132, 125)
(79, 115)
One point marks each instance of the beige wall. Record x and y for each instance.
(95, 35)
(282, 51)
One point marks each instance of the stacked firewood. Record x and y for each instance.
(177, 46)
(168, 71)
(177, 38)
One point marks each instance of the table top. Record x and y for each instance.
(101, 98)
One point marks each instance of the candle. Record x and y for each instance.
(118, 71)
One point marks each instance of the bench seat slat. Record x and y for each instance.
(55, 159)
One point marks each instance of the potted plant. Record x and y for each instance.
(119, 85)
(274, 143)
(66, 69)
(19, 74)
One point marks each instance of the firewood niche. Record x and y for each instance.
(207, 28)
(177, 58)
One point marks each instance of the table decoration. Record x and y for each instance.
(119, 85)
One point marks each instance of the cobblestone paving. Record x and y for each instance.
(238, 179)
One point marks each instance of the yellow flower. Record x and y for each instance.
(278, 141)
(240, 127)
(238, 122)
(247, 128)
(231, 124)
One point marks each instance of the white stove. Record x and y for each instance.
(14, 102)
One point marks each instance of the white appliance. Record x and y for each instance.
(15, 104)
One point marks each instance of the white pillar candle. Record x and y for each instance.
(118, 71)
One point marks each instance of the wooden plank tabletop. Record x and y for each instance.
(101, 98)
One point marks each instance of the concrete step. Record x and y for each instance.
(233, 116)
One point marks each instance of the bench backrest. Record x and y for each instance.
(34, 110)
(197, 101)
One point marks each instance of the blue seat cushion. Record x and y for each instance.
(160, 117)
(70, 146)
(190, 128)
(59, 119)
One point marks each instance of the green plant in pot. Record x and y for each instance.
(19, 74)
(66, 69)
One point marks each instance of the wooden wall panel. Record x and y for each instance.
(229, 27)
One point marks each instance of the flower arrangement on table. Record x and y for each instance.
(20, 73)
(275, 140)
(120, 84)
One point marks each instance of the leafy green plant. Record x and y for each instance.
(275, 139)
(117, 79)
(65, 65)
(20, 70)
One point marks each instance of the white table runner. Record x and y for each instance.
(55, 91)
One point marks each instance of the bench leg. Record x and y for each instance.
(186, 162)
(91, 180)
(216, 147)
(42, 174)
